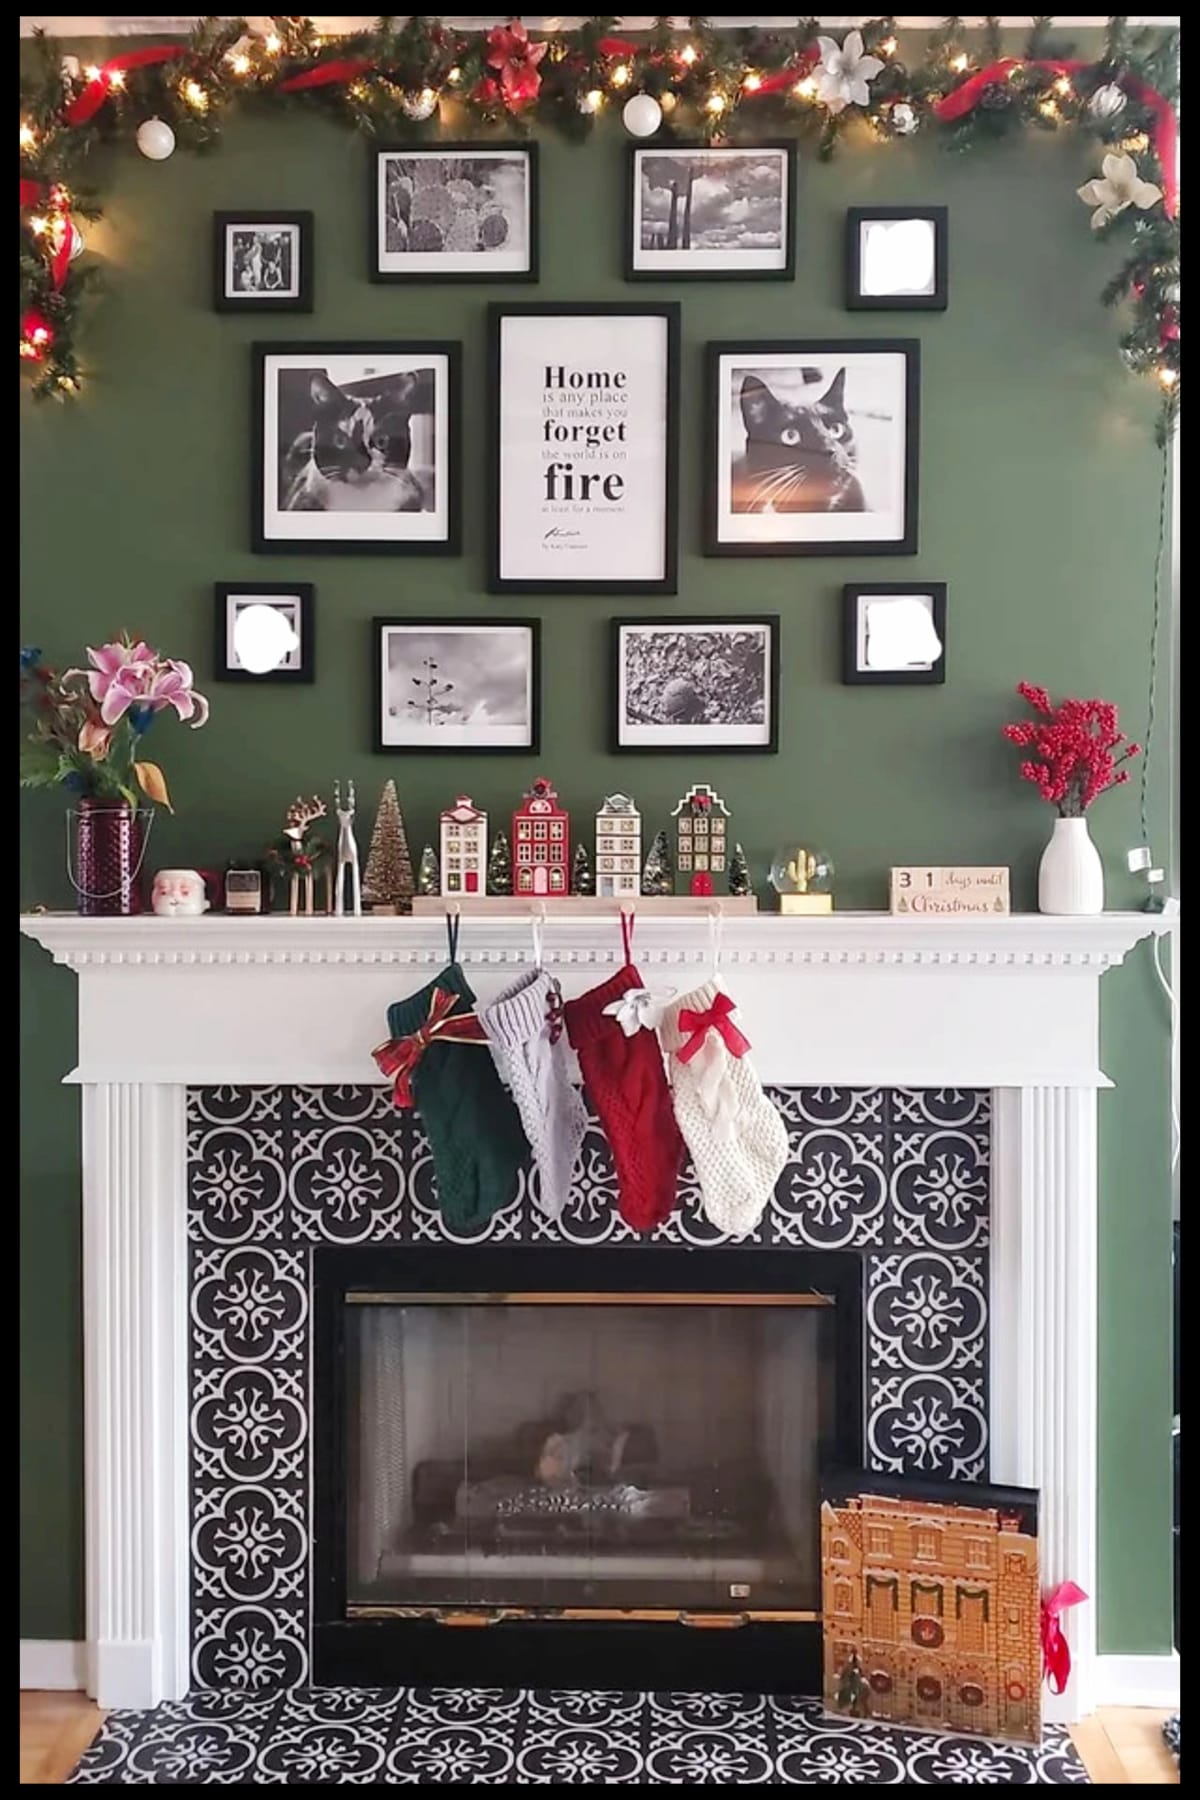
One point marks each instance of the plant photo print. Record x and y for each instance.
(444, 215)
(683, 683)
(462, 686)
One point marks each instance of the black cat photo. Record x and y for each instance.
(358, 448)
(800, 456)
(814, 448)
(354, 451)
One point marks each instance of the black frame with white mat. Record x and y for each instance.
(813, 447)
(739, 732)
(369, 394)
(741, 262)
(298, 297)
(931, 298)
(518, 734)
(856, 597)
(488, 263)
(293, 598)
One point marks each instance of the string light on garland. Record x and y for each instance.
(688, 54)
(806, 89)
(960, 63)
(454, 76)
(272, 44)
(196, 96)
(1167, 378)
(751, 82)
(716, 104)
(620, 75)
(888, 47)
(240, 64)
(420, 104)
(116, 79)
(591, 102)
(28, 135)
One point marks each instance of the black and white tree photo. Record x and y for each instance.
(712, 211)
(461, 685)
(686, 683)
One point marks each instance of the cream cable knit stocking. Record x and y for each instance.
(737, 1139)
(524, 1028)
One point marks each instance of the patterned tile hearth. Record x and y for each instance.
(460, 1737)
(900, 1176)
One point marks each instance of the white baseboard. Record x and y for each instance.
(53, 1663)
(1137, 1681)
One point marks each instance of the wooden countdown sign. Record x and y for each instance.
(949, 892)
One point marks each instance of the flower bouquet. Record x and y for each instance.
(1076, 751)
(86, 733)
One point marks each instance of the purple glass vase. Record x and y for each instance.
(109, 850)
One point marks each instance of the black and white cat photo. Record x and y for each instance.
(362, 446)
(800, 453)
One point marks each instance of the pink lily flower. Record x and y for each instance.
(94, 739)
(171, 685)
(112, 661)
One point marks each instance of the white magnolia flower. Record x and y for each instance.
(844, 72)
(1119, 186)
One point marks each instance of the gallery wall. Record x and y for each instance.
(1039, 506)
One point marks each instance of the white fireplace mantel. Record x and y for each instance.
(855, 999)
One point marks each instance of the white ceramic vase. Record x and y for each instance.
(1070, 875)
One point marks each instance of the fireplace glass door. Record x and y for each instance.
(586, 1454)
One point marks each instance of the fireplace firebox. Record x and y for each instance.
(534, 1467)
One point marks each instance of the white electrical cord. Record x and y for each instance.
(1173, 1003)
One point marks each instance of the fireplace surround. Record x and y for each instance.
(278, 1007)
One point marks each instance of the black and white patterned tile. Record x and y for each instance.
(468, 1737)
(899, 1176)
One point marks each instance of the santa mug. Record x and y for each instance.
(178, 894)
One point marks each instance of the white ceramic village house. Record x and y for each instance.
(464, 848)
(618, 849)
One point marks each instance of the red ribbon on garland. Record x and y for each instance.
(325, 74)
(1056, 1652)
(31, 192)
(398, 1058)
(964, 98)
(784, 78)
(616, 47)
(89, 100)
(698, 1025)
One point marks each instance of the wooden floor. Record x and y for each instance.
(1120, 1744)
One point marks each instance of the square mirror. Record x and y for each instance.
(896, 258)
(894, 633)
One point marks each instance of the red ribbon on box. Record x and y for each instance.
(1056, 1652)
(398, 1058)
(717, 1019)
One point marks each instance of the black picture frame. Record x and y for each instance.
(266, 543)
(667, 582)
(480, 149)
(227, 593)
(800, 351)
(854, 672)
(483, 622)
(938, 300)
(620, 743)
(679, 147)
(226, 302)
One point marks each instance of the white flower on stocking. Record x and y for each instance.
(844, 73)
(1119, 186)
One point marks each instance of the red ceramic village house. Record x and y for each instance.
(541, 843)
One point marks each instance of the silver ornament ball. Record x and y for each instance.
(641, 116)
(1108, 101)
(155, 139)
(904, 119)
(419, 104)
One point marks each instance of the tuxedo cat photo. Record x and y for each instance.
(800, 454)
(360, 446)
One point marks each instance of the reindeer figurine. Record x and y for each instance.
(347, 854)
(302, 852)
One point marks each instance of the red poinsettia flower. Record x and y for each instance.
(515, 61)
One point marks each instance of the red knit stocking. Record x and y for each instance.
(627, 1087)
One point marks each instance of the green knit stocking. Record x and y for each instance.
(473, 1127)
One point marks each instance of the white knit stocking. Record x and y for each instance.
(524, 1028)
(737, 1139)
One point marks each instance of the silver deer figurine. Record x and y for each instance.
(347, 854)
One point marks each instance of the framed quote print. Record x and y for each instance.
(585, 448)
(356, 448)
(813, 448)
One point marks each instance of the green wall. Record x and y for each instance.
(1039, 486)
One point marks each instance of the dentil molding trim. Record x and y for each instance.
(862, 939)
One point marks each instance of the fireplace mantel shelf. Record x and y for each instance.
(853, 939)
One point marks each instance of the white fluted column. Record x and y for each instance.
(136, 1391)
(1044, 1360)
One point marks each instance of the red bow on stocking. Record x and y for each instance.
(1056, 1652)
(698, 1025)
(399, 1056)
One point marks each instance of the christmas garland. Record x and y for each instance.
(403, 81)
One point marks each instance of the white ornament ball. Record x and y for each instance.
(1108, 101)
(904, 119)
(155, 139)
(419, 104)
(641, 116)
